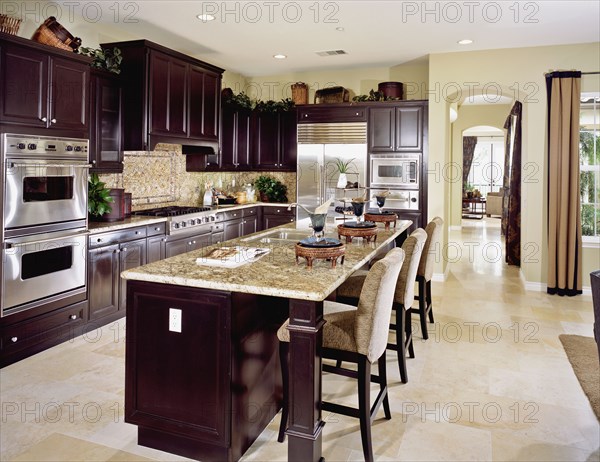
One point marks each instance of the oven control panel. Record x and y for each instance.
(29, 146)
(397, 199)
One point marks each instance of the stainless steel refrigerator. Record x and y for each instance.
(320, 147)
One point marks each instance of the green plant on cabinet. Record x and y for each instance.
(273, 189)
(99, 198)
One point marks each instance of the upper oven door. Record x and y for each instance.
(41, 192)
(394, 171)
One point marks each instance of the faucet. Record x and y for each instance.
(295, 204)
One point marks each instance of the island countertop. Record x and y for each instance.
(274, 274)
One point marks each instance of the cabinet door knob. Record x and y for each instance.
(14, 339)
(137, 232)
(157, 228)
(73, 317)
(93, 162)
(117, 251)
(43, 119)
(52, 121)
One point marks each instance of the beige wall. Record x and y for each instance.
(414, 76)
(517, 72)
(492, 115)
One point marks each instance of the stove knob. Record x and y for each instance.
(414, 199)
(21, 146)
(192, 222)
(183, 224)
(69, 148)
(176, 225)
(32, 146)
(212, 218)
(77, 148)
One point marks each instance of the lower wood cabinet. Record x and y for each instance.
(221, 381)
(177, 245)
(275, 216)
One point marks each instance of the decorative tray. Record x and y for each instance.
(323, 243)
(361, 225)
(384, 213)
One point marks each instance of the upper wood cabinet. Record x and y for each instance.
(106, 147)
(397, 127)
(171, 98)
(43, 88)
(236, 144)
(345, 112)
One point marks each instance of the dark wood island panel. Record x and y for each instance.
(208, 391)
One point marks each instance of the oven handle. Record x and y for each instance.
(38, 164)
(62, 236)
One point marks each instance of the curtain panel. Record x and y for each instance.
(469, 143)
(511, 205)
(564, 208)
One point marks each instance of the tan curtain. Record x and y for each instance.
(564, 208)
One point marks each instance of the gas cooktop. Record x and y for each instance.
(180, 218)
(171, 211)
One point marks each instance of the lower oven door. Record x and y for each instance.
(36, 268)
(41, 192)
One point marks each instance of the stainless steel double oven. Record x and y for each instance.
(44, 221)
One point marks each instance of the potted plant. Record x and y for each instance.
(99, 198)
(270, 189)
(108, 59)
(343, 167)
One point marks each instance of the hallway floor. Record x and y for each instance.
(491, 383)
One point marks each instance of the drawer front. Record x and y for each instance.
(115, 237)
(337, 114)
(250, 212)
(156, 229)
(218, 227)
(278, 211)
(44, 331)
(232, 215)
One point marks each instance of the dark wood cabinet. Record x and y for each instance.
(223, 398)
(43, 88)
(316, 113)
(232, 229)
(274, 140)
(156, 249)
(275, 216)
(171, 98)
(235, 153)
(177, 245)
(106, 147)
(110, 254)
(168, 95)
(397, 127)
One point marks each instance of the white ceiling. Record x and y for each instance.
(245, 35)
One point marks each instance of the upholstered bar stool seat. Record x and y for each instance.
(403, 297)
(357, 335)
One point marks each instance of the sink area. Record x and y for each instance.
(284, 234)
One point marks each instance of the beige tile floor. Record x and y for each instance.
(491, 383)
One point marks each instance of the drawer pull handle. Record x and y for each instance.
(137, 232)
(14, 339)
(53, 121)
(124, 249)
(44, 119)
(73, 317)
(157, 229)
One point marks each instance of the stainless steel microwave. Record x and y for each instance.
(394, 171)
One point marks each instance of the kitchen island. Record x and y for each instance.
(202, 366)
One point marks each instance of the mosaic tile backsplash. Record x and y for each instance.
(158, 178)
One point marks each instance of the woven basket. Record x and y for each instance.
(300, 93)
(9, 24)
(332, 95)
(53, 34)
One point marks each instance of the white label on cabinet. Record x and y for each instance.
(175, 320)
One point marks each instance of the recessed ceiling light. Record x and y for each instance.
(465, 42)
(205, 17)
(279, 56)
(339, 29)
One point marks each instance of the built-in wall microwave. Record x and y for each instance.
(394, 171)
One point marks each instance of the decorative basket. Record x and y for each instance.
(332, 95)
(53, 34)
(9, 24)
(300, 93)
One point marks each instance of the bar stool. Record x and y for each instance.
(357, 335)
(404, 295)
(425, 272)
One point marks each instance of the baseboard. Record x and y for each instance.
(543, 287)
(441, 277)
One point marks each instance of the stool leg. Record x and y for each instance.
(401, 343)
(429, 301)
(364, 404)
(382, 367)
(409, 339)
(423, 308)
(283, 359)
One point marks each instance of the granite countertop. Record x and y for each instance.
(274, 274)
(96, 227)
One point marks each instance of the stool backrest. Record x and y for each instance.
(434, 237)
(372, 321)
(413, 248)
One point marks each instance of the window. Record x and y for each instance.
(487, 169)
(589, 155)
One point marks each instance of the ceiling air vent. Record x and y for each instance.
(331, 53)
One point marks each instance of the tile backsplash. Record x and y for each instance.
(158, 178)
